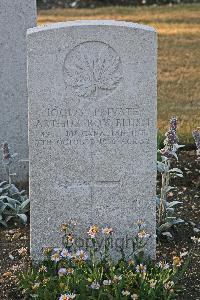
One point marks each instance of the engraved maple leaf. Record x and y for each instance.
(92, 72)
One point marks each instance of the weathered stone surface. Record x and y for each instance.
(92, 127)
(16, 16)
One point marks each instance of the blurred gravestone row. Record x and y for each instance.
(50, 4)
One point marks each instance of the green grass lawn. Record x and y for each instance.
(178, 55)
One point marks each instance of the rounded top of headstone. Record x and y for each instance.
(82, 23)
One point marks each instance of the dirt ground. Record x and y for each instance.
(187, 191)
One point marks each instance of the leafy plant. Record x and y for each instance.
(166, 219)
(14, 204)
(71, 273)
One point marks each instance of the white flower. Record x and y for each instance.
(55, 257)
(126, 293)
(169, 285)
(166, 266)
(143, 234)
(107, 231)
(42, 269)
(67, 296)
(195, 239)
(163, 265)
(35, 286)
(82, 255)
(141, 224)
(107, 282)
(56, 249)
(64, 297)
(72, 296)
(22, 251)
(62, 271)
(93, 231)
(182, 254)
(65, 253)
(152, 283)
(141, 268)
(117, 278)
(95, 285)
(134, 296)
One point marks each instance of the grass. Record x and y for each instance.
(178, 55)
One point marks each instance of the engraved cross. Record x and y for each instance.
(90, 184)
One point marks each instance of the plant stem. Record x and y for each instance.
(163, 196)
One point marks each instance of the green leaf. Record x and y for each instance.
(14, 155)
(179, 175)
(24, 204)
(160, 167)
(169, 188)
(167, 233)
(14, 202)
(173, 203)
(176, 170)
(3, 223)
(14, 189)
(2, 206)
(170, 209)
(165, 226)
(23, 218)
(10, 205)
(3, 183)
(178, 221)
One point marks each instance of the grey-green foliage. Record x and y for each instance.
(14, 204)
(166, 218)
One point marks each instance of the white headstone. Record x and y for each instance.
(92, 128)
(16, 16)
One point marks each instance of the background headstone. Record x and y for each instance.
(16, 16)
(92, 128)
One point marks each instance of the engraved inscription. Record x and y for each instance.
(92, 69)
(68, 127)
